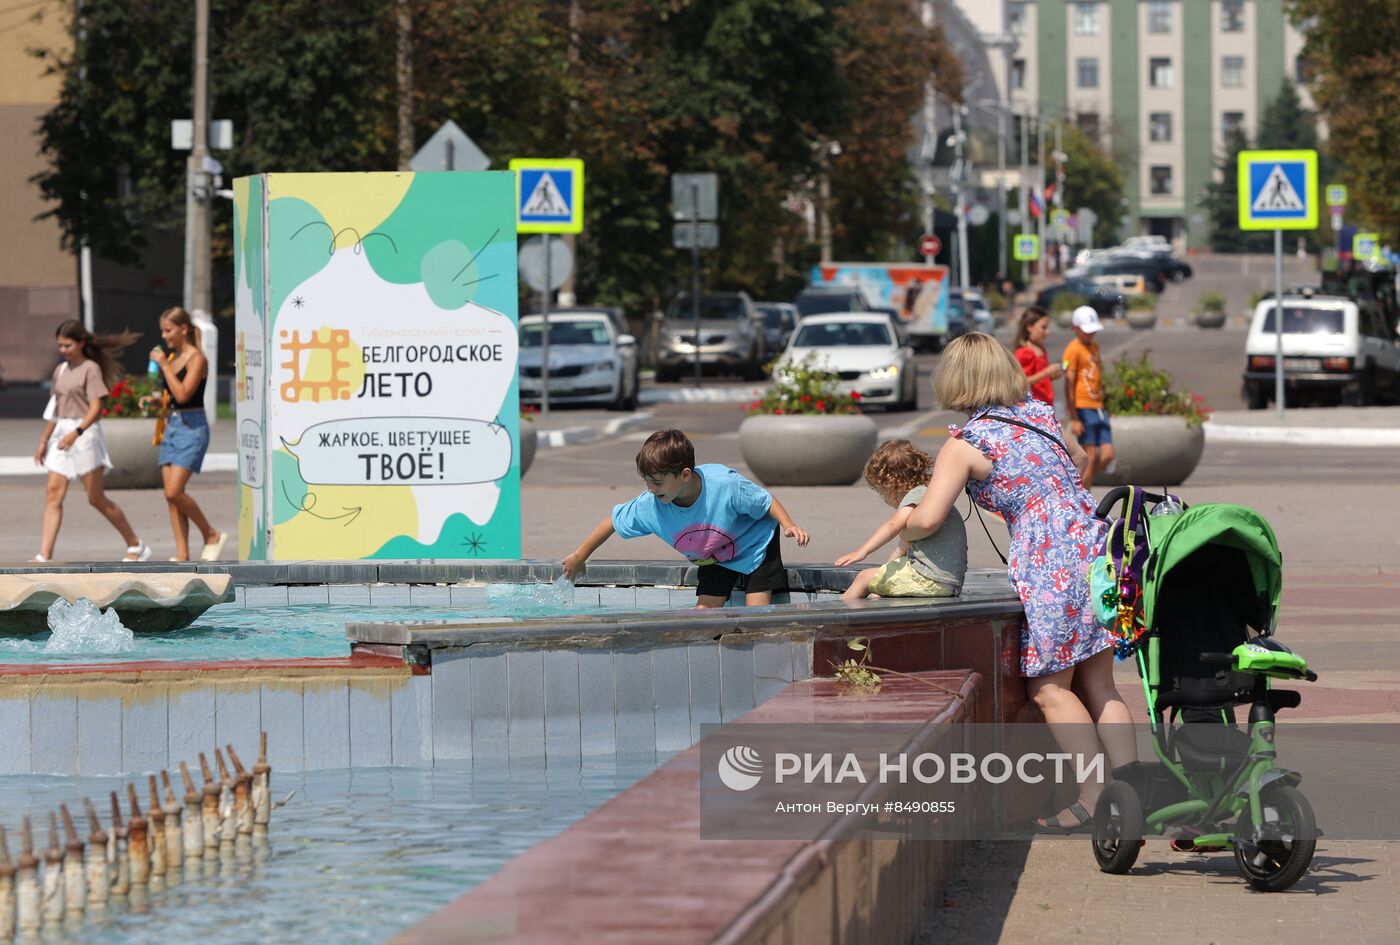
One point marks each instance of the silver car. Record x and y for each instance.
(863, 351)
(589, 362)
(731, 337)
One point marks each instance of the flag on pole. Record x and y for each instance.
(1037, 204)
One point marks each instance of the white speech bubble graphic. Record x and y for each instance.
(402, 451)
(250, 454)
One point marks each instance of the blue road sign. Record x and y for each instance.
(549, 195)
(1278, 190)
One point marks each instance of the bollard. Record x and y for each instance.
(117, 865)
(7, 890)
(192, 823)
(210, 810)
(228, 816)
(174, 839)
(138, 848)
(155, 829)
(242, 794)
(74, 882)
(27, 914)
(53, 902)
(262, 786)
(96, 861)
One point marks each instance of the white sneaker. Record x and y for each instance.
(141, 551)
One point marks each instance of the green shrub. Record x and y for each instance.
(1145, 302)
(1067, 302)
(1209, 303)
(1255, 298)
(804, 388)
(1135, 388)
(995, 300)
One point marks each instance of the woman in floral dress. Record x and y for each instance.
(1012, 456)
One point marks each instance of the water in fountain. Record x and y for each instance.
(82, 628)
(558, 594)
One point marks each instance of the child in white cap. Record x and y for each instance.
(1084, 392)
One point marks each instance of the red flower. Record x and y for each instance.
(855, 395)
(777, 409)
(1128, 391)
(821, 406)
(805, 397)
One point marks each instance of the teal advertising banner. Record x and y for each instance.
(376, 323)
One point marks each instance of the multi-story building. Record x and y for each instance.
(1157, 81)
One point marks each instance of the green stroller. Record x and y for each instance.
(1197, 592)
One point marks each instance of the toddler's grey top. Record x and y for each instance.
(942, 556)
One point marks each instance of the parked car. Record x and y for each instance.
(1334, 348)
(976, 310)
(821, 299)
(1107, 302)
(611, 312)
(1124, 283)
(864, 352)
(1151, 272)
(779, 322)
(731, 336)
(589, 361)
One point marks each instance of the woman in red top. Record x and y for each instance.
(1030, 352)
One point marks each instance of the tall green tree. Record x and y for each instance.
(1350, 48)
(1221, 201)
(1286, 124)
(1092, 179)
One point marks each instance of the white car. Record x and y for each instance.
(589, 362)
(1333, 347)
(862, 350)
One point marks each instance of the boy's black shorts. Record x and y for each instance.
(715, 580)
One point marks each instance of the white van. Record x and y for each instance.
(1334, 348)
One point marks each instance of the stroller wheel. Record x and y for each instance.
(1275, 855)
(1118, 827)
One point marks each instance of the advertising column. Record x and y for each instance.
(378, 412)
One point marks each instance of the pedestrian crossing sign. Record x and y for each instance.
(1366, 246)
(1026, 247)
(548, 195)
(1278, 190)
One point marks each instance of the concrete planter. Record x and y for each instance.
(529, 443)
(1064, 318)
(134, 458)
(1153, 451)
(1141, 318)
(1210, 319)
(828, 450)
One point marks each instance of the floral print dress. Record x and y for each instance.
(1054, 533)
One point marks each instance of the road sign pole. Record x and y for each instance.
(695, 271)
(544, 331)
(1278, 320)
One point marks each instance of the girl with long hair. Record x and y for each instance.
(184, 371)
(72, 446)
(1029, 346)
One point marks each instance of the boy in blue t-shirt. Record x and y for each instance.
(715, 517)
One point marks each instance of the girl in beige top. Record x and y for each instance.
(72, 446)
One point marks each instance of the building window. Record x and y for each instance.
(1159, 16)
(1232, 16)
(1231, 122)
(1087, 72)
(1161, 179)
(1086, 19)
(1018, 73)
(1016, 19)
(1159, 127)
(1088, 123)
(1232, 72)
(1159, 73)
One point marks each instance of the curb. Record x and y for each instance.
(1304, 436)
(572, 436)
(693, 395)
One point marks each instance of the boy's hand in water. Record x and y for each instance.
(574, 566)
(798, 532)
(849, 559)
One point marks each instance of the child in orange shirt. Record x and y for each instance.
(1084, 393)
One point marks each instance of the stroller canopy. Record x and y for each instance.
(1218, 526)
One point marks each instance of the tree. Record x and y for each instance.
(1092, 179)
(1287, 125)
(1350, 49)
(1221, 202)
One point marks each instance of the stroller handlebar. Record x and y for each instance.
(1117, 493)
(1218, 659)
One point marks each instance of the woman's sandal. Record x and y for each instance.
(138, 552)
(1084, 820)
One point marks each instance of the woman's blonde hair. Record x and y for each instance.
(178, 316)
(976, 371)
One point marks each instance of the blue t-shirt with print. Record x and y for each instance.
(728, 524)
